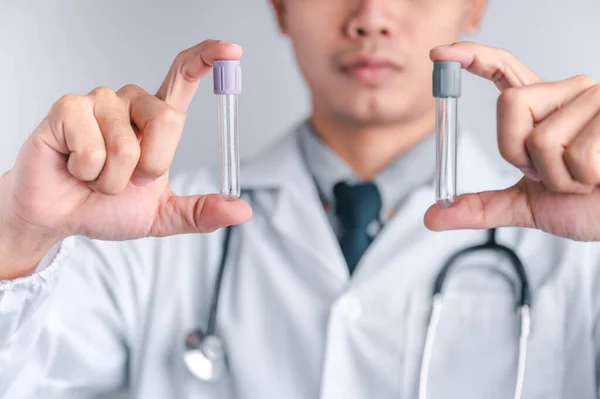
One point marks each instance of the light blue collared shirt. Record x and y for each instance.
(414, 168)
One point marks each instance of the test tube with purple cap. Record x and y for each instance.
(227, 77)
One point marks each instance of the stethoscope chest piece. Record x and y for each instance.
(204, 356)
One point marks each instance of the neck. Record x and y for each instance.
(368, 149)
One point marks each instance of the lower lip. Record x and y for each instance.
(372, 76)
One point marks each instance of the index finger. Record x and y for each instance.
(181, 83)
(495, 64)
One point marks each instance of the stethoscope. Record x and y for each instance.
(205, 355)
(204, 352)
(523, 308)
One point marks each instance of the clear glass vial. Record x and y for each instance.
(446, 90)
(227, 76)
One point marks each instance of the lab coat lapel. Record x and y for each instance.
(475, 173)
(298, 213)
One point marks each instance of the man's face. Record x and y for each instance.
(367, 61)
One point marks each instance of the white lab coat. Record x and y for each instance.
(108, 319)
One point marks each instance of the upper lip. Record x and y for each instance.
(368, 60)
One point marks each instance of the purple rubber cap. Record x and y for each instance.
(227, 77)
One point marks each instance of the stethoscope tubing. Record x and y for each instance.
(436, 312)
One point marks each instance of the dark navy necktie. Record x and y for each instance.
(357, 206)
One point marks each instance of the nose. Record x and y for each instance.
(369, 19)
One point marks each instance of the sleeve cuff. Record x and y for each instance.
(46, 271)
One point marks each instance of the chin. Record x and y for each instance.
(374, 112)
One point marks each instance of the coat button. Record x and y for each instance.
(349, 306)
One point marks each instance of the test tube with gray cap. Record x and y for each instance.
(446, 90)
(227, 77)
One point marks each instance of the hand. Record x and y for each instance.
(551, 132)
(98, 166)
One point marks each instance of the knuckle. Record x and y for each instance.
(181, 56)
(154, 167)
(586, 160)
(179, 60)
(508, 150)
(68, 104)
(589, 151)
(505, 54)
(169, 118)
(572, 155)
(124, 148)
(181, 64)
(594, 91)
(542, 140)
(93, 156)
(168, 121)
(130, 90)
(102, 92)
(509, 98)
(501, 55)
(585, 80)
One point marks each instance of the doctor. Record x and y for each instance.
(101, 280)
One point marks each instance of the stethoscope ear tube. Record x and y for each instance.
(434, 319)
(523, 341)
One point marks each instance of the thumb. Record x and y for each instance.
(198, 214)
(485, 210)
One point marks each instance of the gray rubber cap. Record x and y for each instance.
(446, 79)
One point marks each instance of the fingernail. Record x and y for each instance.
(531, 174)
(207, 51)
(447, 45)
